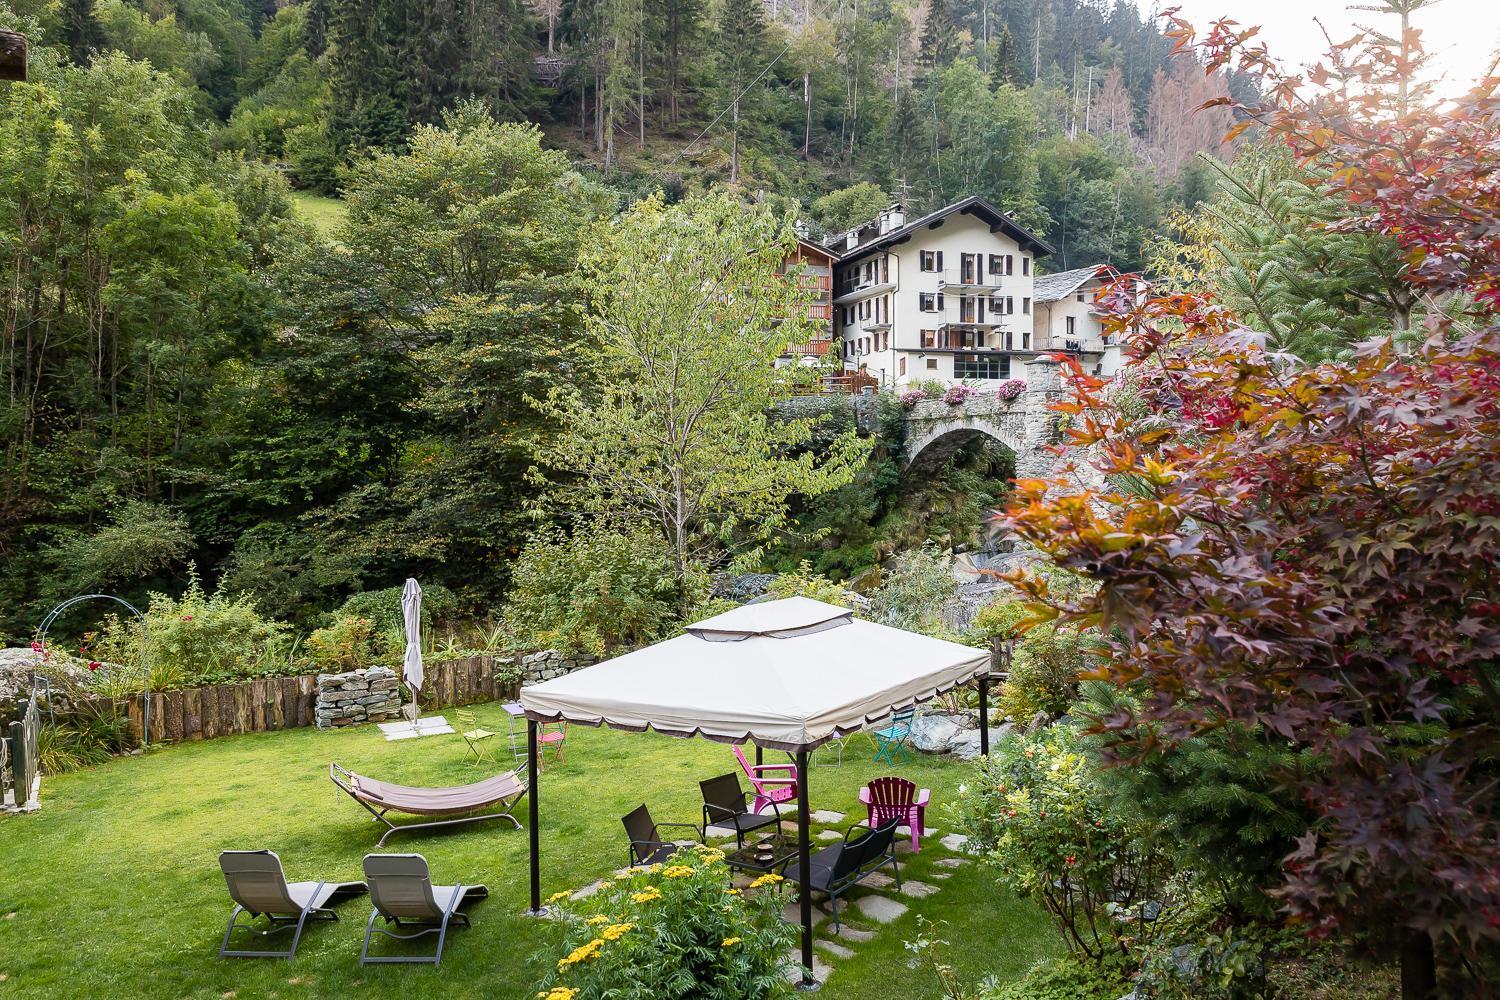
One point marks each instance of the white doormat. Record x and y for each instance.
(432, 725)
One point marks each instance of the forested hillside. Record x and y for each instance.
(195, 376)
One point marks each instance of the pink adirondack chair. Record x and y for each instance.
(768, 790)
(896, 798)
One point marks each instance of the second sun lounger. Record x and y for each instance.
(259, 887)
(401, 889)
(461, 803)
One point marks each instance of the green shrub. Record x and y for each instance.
(920, 594)
(1047, 659)
(1221, 798)
(347, 644)
(383, 607)
(806, 583)
(194, 637)
(1069, 978)
(1037, 814)
(673, 931)
(596, 591)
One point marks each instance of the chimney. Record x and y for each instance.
(892, 218)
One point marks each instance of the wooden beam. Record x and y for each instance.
(12, 55)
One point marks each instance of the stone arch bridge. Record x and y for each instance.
(935, 429)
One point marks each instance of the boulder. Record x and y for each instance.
(933, 733)
(965, 746)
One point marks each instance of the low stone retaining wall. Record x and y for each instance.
(369, 695)
(550, 663)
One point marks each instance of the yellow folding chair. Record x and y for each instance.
(474, 736)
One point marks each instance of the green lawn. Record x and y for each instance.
(113, 889)
(324, 213)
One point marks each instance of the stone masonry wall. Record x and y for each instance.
(368, 695)
(550, 663)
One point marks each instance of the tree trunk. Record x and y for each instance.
(1418, 967)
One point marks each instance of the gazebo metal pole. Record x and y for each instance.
(536, 845)
(984, 715)
(804, 874)
(759, 755)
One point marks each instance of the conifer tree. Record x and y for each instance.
(940, 34)
(741, 51)
(80, 29)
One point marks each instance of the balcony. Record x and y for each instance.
(969, 281)
(855, 291)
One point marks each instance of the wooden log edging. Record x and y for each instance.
(265, 704)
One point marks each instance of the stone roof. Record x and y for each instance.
(1053, 287)
(973, 205)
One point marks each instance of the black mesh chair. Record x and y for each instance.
(837, 869)
(646, 845)
(726, 804)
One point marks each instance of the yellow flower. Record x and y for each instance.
(559, 895)
(581, 954)
(615, 931)
(625, 876)
(731, 892)
(558, 993)
(730, 942)
(646, 895)
(678, 871)
(769, 878)
(709, 853)
(597, 919)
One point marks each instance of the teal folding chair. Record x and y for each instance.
(892, 739)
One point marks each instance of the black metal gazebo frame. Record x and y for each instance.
(998, 668)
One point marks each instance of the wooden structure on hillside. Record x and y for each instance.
(12, 55)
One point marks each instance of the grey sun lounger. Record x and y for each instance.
(460, 804)
(259, 887)
(401, 889)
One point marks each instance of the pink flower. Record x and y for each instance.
(1072, 860)
(187, 618)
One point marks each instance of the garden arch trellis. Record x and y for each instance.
(46, 676)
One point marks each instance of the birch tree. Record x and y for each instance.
(669, 423)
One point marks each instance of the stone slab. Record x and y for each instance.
(834, 948)
(826, 816)
(954, 841)
(792, 914)
(820, 971)
(855, 934)
(880, 909)
(917, 890)
(830, 835)
(952, 862)
(877, 880)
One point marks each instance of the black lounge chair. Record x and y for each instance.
(837, 869)
(725, 804)
(646, 845)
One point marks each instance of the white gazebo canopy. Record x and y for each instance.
(789, 675)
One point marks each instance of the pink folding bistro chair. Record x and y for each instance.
(896, 798)
(550, 734)
(768, 790)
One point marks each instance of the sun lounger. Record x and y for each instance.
(401, 889)
(458, 803)
(259, 887)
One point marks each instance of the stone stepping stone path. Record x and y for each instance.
(833, 948)
(830, 835)
(917, 890)
(954, 841)
(826, 816)
(881, 909)
(952, 862)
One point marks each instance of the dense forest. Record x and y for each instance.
(198, 377)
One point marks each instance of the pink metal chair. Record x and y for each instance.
(896, 798)
(550, 734)
(768, 790)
